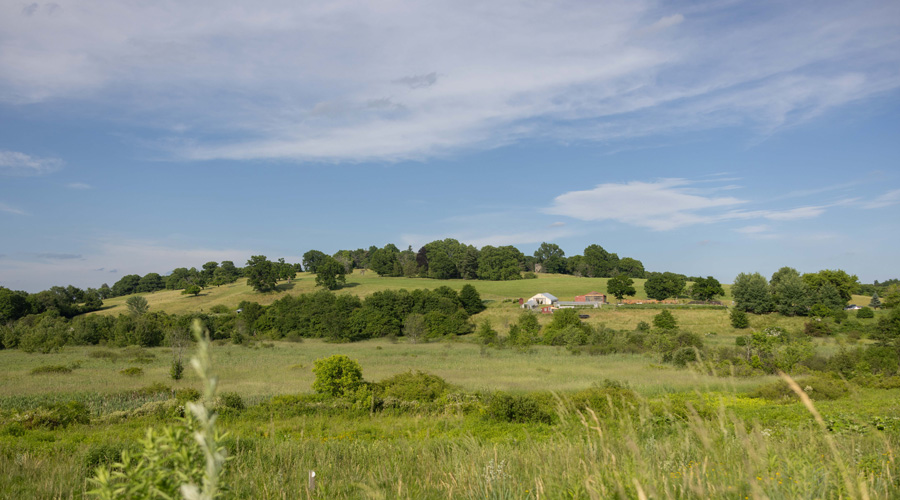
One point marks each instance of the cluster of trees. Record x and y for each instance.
(451, 259)
(419, 315)
(66, 301)
(793, 294)
(211, 274)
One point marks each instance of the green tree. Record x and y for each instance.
(192, 290)
(706, 289)
(486, 333)
(137, 305)
(13, 305)
(665, 320)
(632, 268)
(888, 331)
(620, 286)
(471, 299)
(127, 285)
(414, 327)
(337, 376)
(790, 294)
(261, 273)
(875, 303)
(500, 263)
(739, 319)
(151, 282)
(661, 286)
(330, 274)
(600, 263)
(551, 257)
(846, 284)
(751, 293)
(312, 259)
(385, 262)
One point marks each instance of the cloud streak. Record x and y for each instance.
(276, 80)
(667, 204)
(18, 164)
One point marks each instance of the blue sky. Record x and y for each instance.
(708, 138)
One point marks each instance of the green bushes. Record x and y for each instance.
(337, 375)
(820, 387)
(414, 386)
(55, 415)
(739, 319)
(665, 321)
(519, 408)
(605, 399)
(132, 371)
(865, 313)
(51, 369)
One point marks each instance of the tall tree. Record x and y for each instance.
(330, 274)
(620, 286)
(551, 257)
(499, 263)
(661, 286)
(261, 273)
(751, 293)
(471, 299)
(312, 259)
(630, 267)
(600, 263)
(846, 284)
(706, 289)
(790, 294)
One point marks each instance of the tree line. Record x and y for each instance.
(419, 315)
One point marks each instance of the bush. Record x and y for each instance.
(186, 394)
(232, 400)
(604, 399)
(684, 355)
(529, 276)
(643, 326)
(817, 328)
(51, 369)
(525, 408)
(132, 371)
(177, 370)
(865, 313)
(817, 387)
(665, 321)
(414, 386)
(102, 454)
(56, 415)
(739, 319)
(337, 376)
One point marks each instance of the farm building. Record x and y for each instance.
(541, 299)
(591, 297)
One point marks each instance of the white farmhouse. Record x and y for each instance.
(540, 300)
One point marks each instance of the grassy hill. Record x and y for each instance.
(565, 287)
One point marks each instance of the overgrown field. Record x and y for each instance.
(538, 424)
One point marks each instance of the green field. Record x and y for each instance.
(679, 433)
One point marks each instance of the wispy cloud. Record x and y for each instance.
(20, 164)
(666, 204)
(11, 210)
(887, 199)
(445, 75)
(79, 186)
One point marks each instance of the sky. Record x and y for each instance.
(705, 138)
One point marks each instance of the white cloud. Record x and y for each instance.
(665, 204)
(79, 185)
(21, 164)
(762, 228)
(887, 199)
(288, 80)
(11, 210)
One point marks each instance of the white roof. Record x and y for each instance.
(548, 296)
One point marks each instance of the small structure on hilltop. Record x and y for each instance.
(591, 297)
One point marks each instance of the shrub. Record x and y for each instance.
(817, 387)
(177, 370)
(529, 275)
(665, 321)
(186, 394)
(232, 400)
(414, 386)
(103, 454)
(643, 326)
(817, 328)
(132, 371)
(56, 415)
(684, 355)
(51, 369)
(337, 375)
(740, 341)
(739, 319)
(525, 408)
(605, 398)
(865, 313)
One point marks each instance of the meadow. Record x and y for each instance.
(649, 430)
